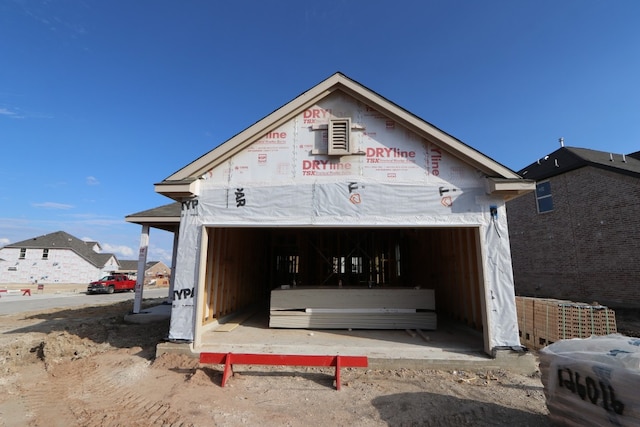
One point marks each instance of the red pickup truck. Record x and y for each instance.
(112, 283)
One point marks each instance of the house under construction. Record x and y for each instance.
(341, 211)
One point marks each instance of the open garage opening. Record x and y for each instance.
(244, 266)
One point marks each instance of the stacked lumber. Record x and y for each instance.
(543, 321)
(353, 308)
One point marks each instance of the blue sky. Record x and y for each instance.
(99, 100)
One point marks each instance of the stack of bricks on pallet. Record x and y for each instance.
(542, 321)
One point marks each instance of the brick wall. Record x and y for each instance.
(588, 248)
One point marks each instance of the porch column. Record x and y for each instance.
(142, 262)
(172, 277)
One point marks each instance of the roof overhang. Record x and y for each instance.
(165, 217)
(179, 190)
(509, 188)
(167, 224)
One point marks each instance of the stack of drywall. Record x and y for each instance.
(355, 308)
(543, 321)
(593, 381)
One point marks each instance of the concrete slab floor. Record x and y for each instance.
(451, 346)
(153, 314)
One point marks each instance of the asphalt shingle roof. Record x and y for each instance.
(171, 210)
(566, 159)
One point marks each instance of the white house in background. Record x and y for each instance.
(54, 258)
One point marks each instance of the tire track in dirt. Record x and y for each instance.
(127, 404)
(37, 399)
(96, 392)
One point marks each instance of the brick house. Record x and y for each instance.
(577, 237)
(155, 272)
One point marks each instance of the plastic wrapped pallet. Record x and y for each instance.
(592, 381)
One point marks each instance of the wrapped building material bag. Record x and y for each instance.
(592, 381)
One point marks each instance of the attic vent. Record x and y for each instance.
(339, 133)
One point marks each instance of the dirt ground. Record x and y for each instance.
(87, 367)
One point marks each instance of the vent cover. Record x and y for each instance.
(339, 137)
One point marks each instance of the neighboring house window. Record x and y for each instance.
(45, 254)
(543, 197)
(23, 253)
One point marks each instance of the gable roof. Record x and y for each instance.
(183, 182)
(566, 159)
(63, 240)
